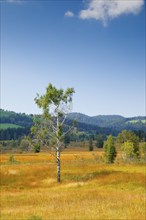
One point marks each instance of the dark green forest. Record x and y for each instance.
(16, 125)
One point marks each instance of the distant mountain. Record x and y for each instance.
(13, 125)
(115, 122)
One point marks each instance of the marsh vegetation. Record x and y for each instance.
(90, 189)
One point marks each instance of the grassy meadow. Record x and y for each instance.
(5, 126)
(90, 189)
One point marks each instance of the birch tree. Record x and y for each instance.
(50, 128)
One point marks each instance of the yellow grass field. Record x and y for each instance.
(89, 188)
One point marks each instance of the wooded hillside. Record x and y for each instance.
(14, 125)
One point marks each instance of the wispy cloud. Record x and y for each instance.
(13, 1)
(105, 10)
(69, 14)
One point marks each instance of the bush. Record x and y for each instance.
(25, 144)
(36, 148)
(129, 151)
(11, 158)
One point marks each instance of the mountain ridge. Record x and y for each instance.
(110, 121)
(15, 125)
(116, 122)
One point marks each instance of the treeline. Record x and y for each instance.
(13, 133)
(98, 137)
(85, 128)
(131, 145)
(81, 134)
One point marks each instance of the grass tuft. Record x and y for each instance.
(34, 217)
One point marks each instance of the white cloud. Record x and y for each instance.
(13, 1)
(69, 14)
(105, 10)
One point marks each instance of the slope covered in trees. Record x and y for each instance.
(11, 117)
(115, 122)
(14, 125)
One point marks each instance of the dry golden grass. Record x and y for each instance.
(89, 189)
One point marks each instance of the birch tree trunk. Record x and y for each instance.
(58, 164)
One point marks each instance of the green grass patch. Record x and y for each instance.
(136, 121)
(4, 126)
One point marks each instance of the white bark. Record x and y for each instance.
(58, 164)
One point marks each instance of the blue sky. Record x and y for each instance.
(97, 47)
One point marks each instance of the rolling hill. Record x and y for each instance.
(115, 122)
(14, 124)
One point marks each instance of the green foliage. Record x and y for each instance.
(20, 119)
(137, 121)
(48, 128)
(13, 133)
(110, 150)
(54, 103)
(128, 150)
(25, 144)
(36, 148)
(129, 137)
(142, 150)
(54, 97)
(11, 158)
(91, 148)
(14, 125)
(99, 141)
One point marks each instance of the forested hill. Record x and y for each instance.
(115, 122)
(14, 125)
(20, 119)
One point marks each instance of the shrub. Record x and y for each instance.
(129, 151)
(36, 148)
(11, 158)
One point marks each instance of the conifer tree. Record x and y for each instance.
(110, 150)
(91, 148)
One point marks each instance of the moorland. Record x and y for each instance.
(90, 189)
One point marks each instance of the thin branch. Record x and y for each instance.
(63, 120)
(69, 130)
